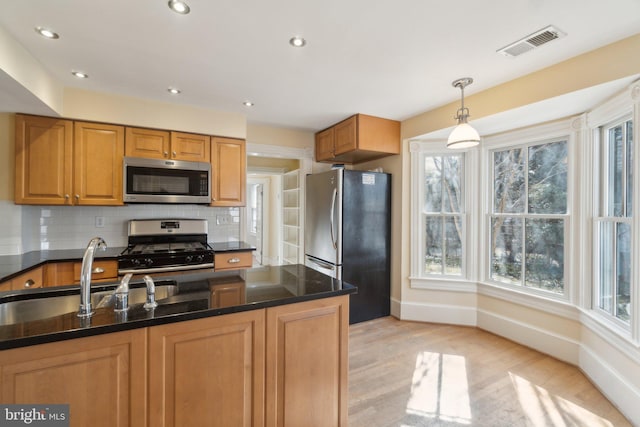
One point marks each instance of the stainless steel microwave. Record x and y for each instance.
(166, 181)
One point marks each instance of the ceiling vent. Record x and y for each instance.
(532, 41)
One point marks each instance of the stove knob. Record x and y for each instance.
(200, 258)
(135, 261)
(148, 262)
(188, 258)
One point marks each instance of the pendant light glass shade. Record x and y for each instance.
(463, 135)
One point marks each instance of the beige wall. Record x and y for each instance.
(126, 110)
(7, 154)
(611, 62)
(262, 134)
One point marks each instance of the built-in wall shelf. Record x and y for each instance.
(291, 217)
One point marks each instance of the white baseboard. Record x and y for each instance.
(614, 386)
(437, 313)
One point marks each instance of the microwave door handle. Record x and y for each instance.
(332, 213)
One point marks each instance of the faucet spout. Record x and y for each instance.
(151, 293)
(85, 309)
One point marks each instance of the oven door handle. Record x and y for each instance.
(164, 269)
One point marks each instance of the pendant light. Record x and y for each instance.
(463, 136)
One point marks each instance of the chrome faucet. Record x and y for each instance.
(121, 294)
(85, 309)
(151, 293)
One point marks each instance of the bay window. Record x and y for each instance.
(528, 218)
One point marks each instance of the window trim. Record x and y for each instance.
(560, 130)
(418, 279)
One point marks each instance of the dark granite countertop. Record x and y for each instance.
(193, 298)
(231, 247)
(13, 265)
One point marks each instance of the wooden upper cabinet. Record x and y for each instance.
(190, 146)
(61, 162)
(161, 144)
(359, 138)
(346, 135)
(148, 143)
(324, 144)
(228, 171)
(44, 160)
(98, 156)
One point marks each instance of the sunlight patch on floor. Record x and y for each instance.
(439, 388)
(545, 409)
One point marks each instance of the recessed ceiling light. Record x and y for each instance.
(80, 74)
(179, 7)
(248, 104)
(297, 41)
(47, 33)
(174, 90)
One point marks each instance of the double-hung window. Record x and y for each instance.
(439, 234)
(613, 223)
(528, 219)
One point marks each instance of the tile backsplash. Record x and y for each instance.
(32, 228)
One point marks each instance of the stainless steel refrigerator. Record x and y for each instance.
(348, 235)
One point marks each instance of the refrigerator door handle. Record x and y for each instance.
(321, 263)
(334, 241)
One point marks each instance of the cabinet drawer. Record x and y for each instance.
(29, 280)
(102, 271)
(232, 261)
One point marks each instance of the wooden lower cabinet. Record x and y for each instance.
(102, 378)
(29, 280)
(232, 260)
(68, 273)
(307, 364)
(283, 366)
(208, 372)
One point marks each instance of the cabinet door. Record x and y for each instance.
(191, 147)
(228, 294)
(29, 280)
(148, 143)
(307, 364)
(44, 160)
(102, 378)
(59, 274)
(346, 135)
(325, 144)
(98, 154)
(229, 176)
(208, 372)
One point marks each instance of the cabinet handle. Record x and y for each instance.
(173, 153)
(166, 153)
(66, 196)
(77, 197)
(233, 260)
(29, 283)
(97, 270)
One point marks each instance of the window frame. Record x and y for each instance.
(600, 217)
(560, 130)
(419, 149)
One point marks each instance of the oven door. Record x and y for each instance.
(166, 181)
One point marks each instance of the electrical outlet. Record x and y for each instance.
(99, 222)
(222, 219)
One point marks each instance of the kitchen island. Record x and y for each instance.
(259, 347)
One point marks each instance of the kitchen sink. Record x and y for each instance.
(20, 308)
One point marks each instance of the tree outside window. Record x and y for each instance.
(529, 215)
(443, 214)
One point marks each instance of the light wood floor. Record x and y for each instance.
(420, 374)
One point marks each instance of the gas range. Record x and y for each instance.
(165, 245)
